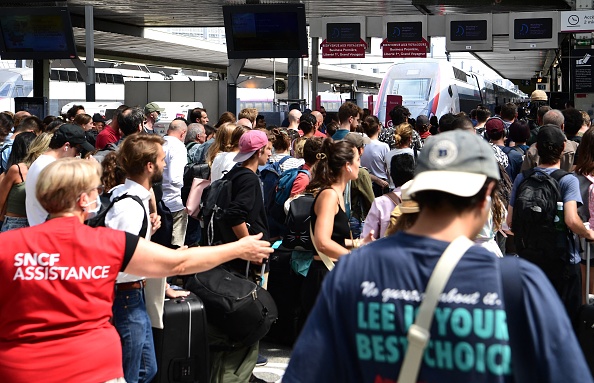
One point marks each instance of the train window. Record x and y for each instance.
(412, 89)
(118, 79)
(63, 75)
(72, 76)
(460, 75)
(5, 90)
(54, 75)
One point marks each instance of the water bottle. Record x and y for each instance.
(560, 218)
(560, 227)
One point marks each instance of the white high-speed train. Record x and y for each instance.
(433, 88)
(67, 85)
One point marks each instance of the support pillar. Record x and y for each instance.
(233, 71)
(315, 63)
(90, 53)
(295, 76)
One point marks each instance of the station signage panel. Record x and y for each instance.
(526, 29)
(343, 32)
(582, 63)
(405, 37)
(405, 32)
(345, 38)
(469, 33)
(468, 30)
(576, 21)
(533, 30)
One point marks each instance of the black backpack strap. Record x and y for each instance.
(558, 174)
(519, 332)
(144, 227)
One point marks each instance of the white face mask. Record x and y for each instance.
(92, 213)
(489, 203)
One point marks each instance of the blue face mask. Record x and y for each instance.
(158, 118)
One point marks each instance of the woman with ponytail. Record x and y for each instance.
(338, 163)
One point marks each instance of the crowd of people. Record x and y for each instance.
(381, 203)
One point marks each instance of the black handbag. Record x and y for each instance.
(240, 308)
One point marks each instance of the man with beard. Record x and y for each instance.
(143, 159)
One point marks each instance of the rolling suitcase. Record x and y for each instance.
(585, 320)
(181, 346)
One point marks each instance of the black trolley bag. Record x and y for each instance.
(182, 345)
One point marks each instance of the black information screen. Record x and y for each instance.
(343, 32)
(405, 31)
(468, 30)
(525, 29)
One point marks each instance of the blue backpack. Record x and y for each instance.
(270, 177)
(285, 184)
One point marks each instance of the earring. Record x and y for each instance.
(65, 148)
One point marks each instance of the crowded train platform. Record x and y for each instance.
(333, 224)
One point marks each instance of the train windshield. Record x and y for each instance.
(5, 90)
(412, 89)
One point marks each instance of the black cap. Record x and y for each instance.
(73, 134)
(550, 136)
(97, 117)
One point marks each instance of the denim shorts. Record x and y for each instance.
(11, 223)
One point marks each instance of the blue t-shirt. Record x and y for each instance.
(357, 329)
(570, 191)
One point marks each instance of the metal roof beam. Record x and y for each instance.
(109, 26)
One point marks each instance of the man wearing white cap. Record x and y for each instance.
(369, 322)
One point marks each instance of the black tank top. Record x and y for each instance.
(340, 230)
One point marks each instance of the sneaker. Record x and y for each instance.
(262, 360)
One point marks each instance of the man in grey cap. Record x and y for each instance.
(357, 331)
(152, 112)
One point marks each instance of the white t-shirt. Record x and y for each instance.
(222, 163)
(36, 214)
(176, 157)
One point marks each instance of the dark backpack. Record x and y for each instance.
(535, 209)
(298, 222)
(192, 171)
(215, 199)
(270, 177)
(100, 155)
(8, 145)
(189, 146)
(99, 220)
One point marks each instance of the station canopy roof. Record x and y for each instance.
(121, 30)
